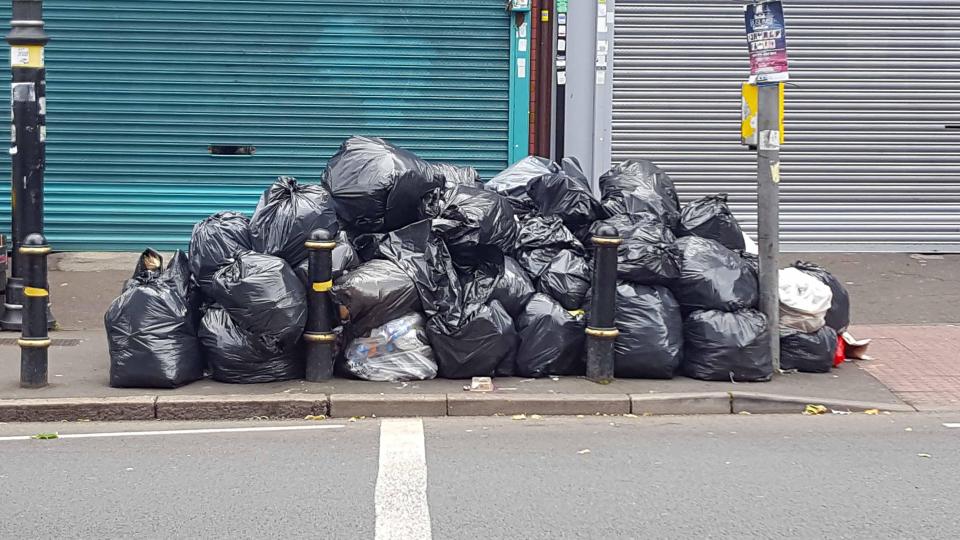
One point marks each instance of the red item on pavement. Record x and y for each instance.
(841, 355)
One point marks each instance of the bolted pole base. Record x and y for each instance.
(319, 356)
(33, 362)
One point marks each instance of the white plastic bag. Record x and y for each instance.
(804, 301)
(396, 351)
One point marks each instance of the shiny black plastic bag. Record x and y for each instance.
(713, 277)
(150, 328)
(514, 288)
(541, 232)
(566, 279)
(567, 196)
(286, 215)
(648, 254)
(637, 186)
(345, 258)
(423, 256)
(723, 346)
(214, 242)
(454, 177)
(838, 316)
(236, 356)
(373, 294)
(551, 339)
(710, 217)
(808, 353)
(512, 182)
(475, 345)
(265, 298)
(650, 343)
(378, 187)
(476, 217)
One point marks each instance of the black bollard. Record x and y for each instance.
(34, 340)
(319, 335)
(602, 329)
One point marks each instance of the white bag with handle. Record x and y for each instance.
(804, 301)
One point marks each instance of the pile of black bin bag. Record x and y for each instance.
(439, 274)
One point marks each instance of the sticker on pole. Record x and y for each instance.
(767, 41)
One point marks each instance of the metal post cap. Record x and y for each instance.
(606, 235)
(35, 240)
(321, 239)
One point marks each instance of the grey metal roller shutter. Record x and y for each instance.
(868, 162)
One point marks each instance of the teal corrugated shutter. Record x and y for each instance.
(138, 91)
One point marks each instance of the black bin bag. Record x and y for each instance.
(838, 316)
(214, 242)
(345, 258)
(514, 288)
(286, 215)
(808, 353)
(723, 346)
(264, 297)
(237, 356)
(637, 186)
(710, 217)
(474, 217)
(512, 182)
(567, 196)
(454, 177)
(151, 333)
(373, 294)
(474, 345)
(650, 343)
(551, 339)
(647, 254)
(566, 278)
(713, 277)
(378, 187)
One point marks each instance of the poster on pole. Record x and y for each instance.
(767, 41)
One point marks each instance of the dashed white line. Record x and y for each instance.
(177, 432)
(951, 425)
(401, 494)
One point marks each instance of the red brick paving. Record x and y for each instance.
(921, 364)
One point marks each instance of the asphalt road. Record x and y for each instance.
(856, 476)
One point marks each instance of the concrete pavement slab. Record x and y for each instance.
(479, 404)
(237, 407)
(387, 405)
(74, 409)
(681, 403)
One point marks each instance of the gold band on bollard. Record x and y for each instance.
(603, 333)
(322, 286)
(320, 338)
(320, 245)
(27, 343)
(35, 250)
(604, 241)
(34, 292)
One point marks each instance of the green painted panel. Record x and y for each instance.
(138, 91)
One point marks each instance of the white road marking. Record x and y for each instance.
(177, 432)
(952, 425)
(401, 494)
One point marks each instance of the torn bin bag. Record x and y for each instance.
(475, 345)
(710, 217)
(150, 330)
(514, 288)
(397, 351)
(637, 186)
(214, 242)
(378, 187)
(286, 215)
(236, 356)
(838, 316)
(551, 339)
(650, 343)
(264, 296)
(648, 253)
(723, 346)
(475, 217)
(713, 277)
(512, 182)
(566, 278)
(808, 353)
(373, 294)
